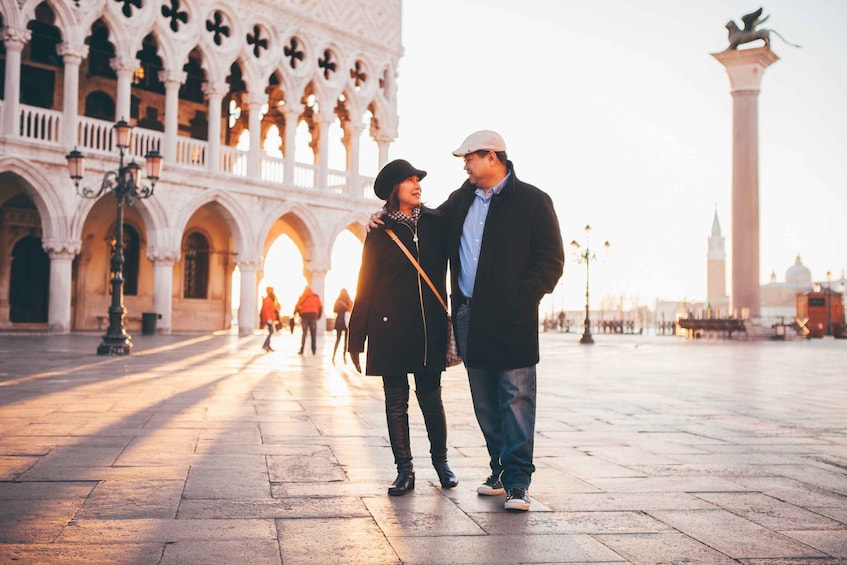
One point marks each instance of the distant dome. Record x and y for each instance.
(798, 273)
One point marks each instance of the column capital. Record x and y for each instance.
(72, 52)
(123, 64)
(163, 256)
(745, 67)
(61, 248)
(292, 109)
(211, 89)
(248, 265)
(170, 76)
(16, 37)
(255, 99)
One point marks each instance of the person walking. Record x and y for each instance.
(402, 319)
(506, 253)
(269, 315)
(310, 308)
(342, 307)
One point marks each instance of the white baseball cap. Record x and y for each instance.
(483, 140)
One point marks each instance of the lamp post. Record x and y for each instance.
(828, 293)
(585, 256)
(124, 185)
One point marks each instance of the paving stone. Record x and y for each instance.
(236, 551)
(669, 547)
(286, 507)
(90, 553)
(335, 540)
(734, 536)
(126, 500)
(769, 512)
(134, 531)
(833, 544)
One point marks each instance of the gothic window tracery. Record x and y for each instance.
(126, 10)
(327, 64)
(175, 15)
(358, 74)
(292, 51)
(257, 41)
(217, 27)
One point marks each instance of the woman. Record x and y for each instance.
(270, 314)
(343, 305)
(402, 320)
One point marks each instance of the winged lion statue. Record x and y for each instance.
(739, 36)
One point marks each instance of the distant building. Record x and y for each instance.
(716, 298)
(780, 298)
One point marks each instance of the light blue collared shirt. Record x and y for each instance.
(471, 242)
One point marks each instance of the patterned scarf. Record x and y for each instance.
(402, 218)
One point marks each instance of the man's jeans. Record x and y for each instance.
(309, 324)
(504, 403)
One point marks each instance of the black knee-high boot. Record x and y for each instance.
(436, 429)
(397, 415)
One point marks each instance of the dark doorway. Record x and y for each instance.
(29, 282)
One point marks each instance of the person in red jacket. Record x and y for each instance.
(310, 308)
(270, 315)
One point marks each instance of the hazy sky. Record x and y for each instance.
(618, 110)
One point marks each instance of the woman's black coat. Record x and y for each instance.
(395, 311)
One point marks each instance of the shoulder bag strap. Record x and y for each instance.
(396, 239)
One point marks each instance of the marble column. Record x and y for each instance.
(248, 309)
(163, 287)
(215, 93)
(61, 255)
(14, 41)
(745, 68)
(254, 155)
(72, 56)
(352, 136)
(292, 114)
(173, 80)
(322, 171)
(124, 67)
(383, 143)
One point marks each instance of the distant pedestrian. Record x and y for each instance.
(269, 315)
(342, 307)
(310, 308)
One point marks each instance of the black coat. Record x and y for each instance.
(521, 259)
(395, 310)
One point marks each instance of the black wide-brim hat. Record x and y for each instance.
(392, 174)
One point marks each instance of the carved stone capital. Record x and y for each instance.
(212, 89)
(124, 64)
(61, 249)
(163, 257)
(248, 266)
(169, 76)
(16, 38)
(72, 53)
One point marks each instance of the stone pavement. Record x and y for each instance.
(204, 449)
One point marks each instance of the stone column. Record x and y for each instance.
(322, 171)
(124, 67)
(745, 68)
(383, 143)
(254, 107)
(173, 80)
(292, 114)
(215, 93)
(14, 41)
(61, 254)
(248, 309)
(163, 288)
(352, 135)
(72, 56)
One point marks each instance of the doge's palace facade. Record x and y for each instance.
(196, 78)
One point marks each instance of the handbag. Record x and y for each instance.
(452, 358)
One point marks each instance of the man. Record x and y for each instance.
(310, 308)
(505, 252)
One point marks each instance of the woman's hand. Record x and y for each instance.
(354, 357)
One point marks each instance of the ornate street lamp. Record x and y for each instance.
(828, 301)
(124, 186)
(586, 256)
